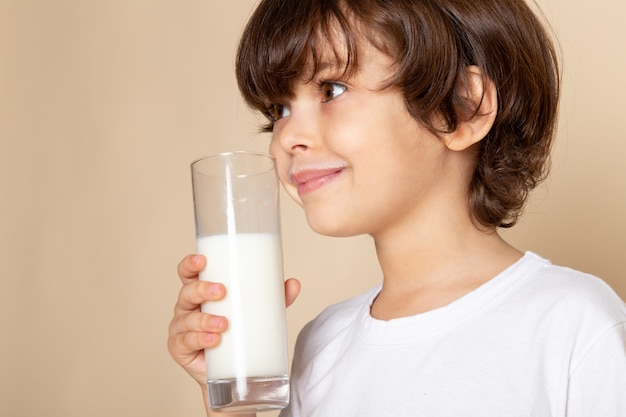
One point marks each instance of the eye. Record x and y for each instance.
(277, 111)
(331, 91)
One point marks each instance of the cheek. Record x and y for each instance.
(282, 168)
(291, 190)
(274, 148)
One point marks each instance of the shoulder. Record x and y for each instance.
(577, 308)
(574, 291)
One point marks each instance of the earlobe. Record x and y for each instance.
(480, 91)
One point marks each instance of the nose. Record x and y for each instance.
(298, 132)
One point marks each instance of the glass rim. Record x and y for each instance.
(232, 153)
(210, 165)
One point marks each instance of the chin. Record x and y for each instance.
(335, 228)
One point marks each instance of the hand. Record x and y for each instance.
(191, 331)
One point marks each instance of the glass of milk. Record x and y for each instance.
(238, 230)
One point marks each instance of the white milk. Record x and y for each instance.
(250, 266)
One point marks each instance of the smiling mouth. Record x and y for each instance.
(309, 180)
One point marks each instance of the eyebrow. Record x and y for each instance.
(326, 65)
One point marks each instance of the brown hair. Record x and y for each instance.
(432, 42)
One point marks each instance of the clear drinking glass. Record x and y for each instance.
(238, 230)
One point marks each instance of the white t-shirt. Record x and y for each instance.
(538, 340)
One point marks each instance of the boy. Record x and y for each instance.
(425, 124)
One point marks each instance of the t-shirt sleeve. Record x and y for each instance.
(293, 409)
(597, 385)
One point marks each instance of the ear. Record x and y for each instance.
(480, 91)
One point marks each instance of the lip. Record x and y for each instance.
(310, 179)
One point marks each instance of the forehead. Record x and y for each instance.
(368, 63)
(331, 52)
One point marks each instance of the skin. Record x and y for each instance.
(356, 161)
(398, 182)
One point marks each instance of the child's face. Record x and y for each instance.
(352, 156)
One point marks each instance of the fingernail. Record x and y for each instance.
(211, 338)
(217, 322)
(195, 259)
(215, 289)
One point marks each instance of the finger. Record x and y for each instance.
(192, 332)
(185, 347)
(197, 322)
(190, 266)
(292, 289)
(194, 293)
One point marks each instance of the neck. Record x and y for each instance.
(429, 266)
